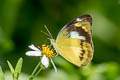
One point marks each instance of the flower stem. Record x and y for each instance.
(36, 71)
(41, 68)
(36, 68)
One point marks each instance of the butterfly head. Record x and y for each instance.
(52, 41)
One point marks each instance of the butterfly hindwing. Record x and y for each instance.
(74, 41)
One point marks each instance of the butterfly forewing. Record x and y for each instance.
(74, 41)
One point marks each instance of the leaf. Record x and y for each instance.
(11, 68)
(1, 74)
(18, 68)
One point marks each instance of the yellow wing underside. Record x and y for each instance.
(74, 50)
(71, 50)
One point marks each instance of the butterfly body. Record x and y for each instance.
(74, 41)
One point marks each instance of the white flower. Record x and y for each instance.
(45, 61)
(37, 52)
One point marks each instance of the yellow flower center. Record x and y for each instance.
(47, 51)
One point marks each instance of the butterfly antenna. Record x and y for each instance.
(45, 33)
(48, 31)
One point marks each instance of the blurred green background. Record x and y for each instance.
(21, 22)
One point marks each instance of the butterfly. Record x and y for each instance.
(74, 41)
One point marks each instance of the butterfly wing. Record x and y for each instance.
(74, 41)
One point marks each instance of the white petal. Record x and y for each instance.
(33, 48)
(45, 61)
(53, 65)
(33, 53)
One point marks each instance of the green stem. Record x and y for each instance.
(41, 68)
(38, 65)
(36, 71)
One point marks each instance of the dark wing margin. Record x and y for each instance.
(86, 17)
(83, 18)
(69, 27)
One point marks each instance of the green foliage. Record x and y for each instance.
(18, 68)
(16, 72)
(104, 71)
(1, 74)
(11, 68)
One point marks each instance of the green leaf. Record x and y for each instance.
(1, 74)
(11, 68)
(18, 68)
